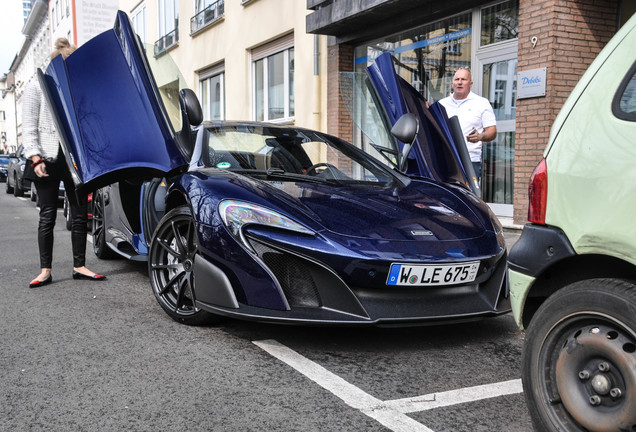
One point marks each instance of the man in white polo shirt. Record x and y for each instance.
(475, 115)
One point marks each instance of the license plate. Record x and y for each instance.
(432, 275)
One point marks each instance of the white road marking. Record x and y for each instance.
(454, 397)
(391, 414)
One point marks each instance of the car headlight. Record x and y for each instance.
(22, 168)
(237, 214)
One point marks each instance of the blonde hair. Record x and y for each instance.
(63, 47)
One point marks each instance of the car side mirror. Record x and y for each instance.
(191, 116)
(191, 111)
(405, 130)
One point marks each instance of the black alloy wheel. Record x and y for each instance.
(579, 361)
(171, 267)
(100, 247)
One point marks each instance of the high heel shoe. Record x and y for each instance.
(38, 283)
(95, 277)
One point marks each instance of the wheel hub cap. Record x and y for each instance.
(596, 378)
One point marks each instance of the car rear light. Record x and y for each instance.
(538, 193)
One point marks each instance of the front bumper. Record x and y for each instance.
(315, 294)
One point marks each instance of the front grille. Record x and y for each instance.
(294, 275)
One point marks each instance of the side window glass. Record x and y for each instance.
(627, 102)
(624, 104)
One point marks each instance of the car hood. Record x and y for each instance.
(421, 211)
(109, 111)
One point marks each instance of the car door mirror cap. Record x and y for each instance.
(405, 130)
(190, 108)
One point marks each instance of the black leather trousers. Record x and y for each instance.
(47, 190)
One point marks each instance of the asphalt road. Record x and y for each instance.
(102, 356)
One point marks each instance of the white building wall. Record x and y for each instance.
(229, 41)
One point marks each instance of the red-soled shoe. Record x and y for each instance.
(38, 283)
(95, 277)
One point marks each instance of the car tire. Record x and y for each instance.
(100, 247)
(8, 189)
(579, 359)
(34, 194)
(170, 267)
(17, 190)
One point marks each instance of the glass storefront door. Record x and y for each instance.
(498, 79)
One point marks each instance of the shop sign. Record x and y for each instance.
(531, 83)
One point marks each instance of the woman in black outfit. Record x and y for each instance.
(47, 168)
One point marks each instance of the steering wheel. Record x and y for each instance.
(321, 164)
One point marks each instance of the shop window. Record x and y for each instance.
(212, 93)
(427, 56)
(500, 22)
(273, 81)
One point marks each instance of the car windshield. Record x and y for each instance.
(4, 160)
(292, 154)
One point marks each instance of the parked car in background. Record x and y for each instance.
(573, 270)
(16, 184)
(4, 165)
(67, 213)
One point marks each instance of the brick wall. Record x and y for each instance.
(339, 123)
(569, 36)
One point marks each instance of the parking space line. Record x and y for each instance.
(391, 414)
(350, 394)
(454, 397)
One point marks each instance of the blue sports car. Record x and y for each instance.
(275, 223)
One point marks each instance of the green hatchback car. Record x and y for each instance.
(573, 270)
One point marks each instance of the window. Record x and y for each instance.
(428, 56)
(624, 104)
(212, 93)
(206, 12)
(138, 18)
(273, 80)
(628, 100)
(168, 25)
(500, 22)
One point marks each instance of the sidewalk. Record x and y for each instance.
(512, 231)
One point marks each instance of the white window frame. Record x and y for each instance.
(139, 13)
(283, 44)
(207, 74)
(163, 25)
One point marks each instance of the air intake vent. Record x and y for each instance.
(294, 275)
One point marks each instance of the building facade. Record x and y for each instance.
(47, 20)
(525, 57)
(281, 60)
(246, 60)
